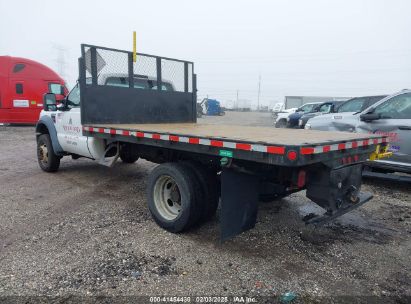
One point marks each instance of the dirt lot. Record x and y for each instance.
(86, 230)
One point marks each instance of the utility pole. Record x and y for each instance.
(236, 103)
(259, 90)
(61, 60)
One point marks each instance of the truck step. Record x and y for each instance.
(110, 161)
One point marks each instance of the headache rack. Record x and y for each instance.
(172, 98)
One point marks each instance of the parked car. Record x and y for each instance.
(324, 108)
(278, 108)
(390, 116)
(347, 109)
(359, 104)
(280, 120)
(292, 120)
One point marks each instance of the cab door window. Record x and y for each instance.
(73, 98)
(325, 108)
(398, 107)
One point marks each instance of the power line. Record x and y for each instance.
(259, 91)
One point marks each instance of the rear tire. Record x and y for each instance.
(128, 154)
(210, 189)
(173, 197)
(47, 159)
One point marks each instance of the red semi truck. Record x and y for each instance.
(23, 82)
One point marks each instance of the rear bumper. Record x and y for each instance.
(363, 197)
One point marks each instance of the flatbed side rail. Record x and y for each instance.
(345, 151)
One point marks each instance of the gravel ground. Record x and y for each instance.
(86, 230)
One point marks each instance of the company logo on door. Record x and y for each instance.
(71, 129)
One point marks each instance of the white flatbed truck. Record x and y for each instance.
(147, 109)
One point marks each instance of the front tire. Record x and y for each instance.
(47, 159)
(281, 123)
(173, 197)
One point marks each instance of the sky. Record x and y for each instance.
(298, 47)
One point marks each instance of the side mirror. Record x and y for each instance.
(49, 102)
(62, 90)
(370, 117)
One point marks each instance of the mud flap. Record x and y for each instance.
(239, 202)
(335, 190)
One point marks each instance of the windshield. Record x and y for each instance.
(307, 108)
(325, 108)
(359, 104)
(352, 105)
(56, 88)
(398, 107)
(139, 83)
(164, 86)
(123, 82)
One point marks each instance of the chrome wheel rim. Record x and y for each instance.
(43, 154)
(167, 197)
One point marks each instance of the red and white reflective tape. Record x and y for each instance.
(190, 140)
(280, 150)
(342, 146)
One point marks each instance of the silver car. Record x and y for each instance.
(390, 116)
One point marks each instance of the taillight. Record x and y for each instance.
(292, 155)
(301, 179)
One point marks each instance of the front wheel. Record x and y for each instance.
(282, 123)
(47, 159)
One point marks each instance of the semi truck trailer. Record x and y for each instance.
(121, 108)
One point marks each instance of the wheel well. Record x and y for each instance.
(42, 129)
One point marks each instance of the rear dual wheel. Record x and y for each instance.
(178, 196)
(209, 187)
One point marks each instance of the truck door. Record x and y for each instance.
(19, 97)
(395, 122)
(69, 129)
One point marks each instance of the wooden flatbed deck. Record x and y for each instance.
(263, 135)
(259, 144)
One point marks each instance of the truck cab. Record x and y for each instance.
(23, 82)
(66, 118)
